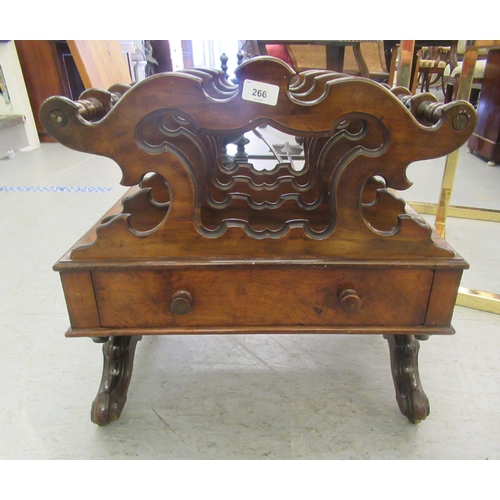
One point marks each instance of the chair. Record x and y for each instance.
(365, 58)
(306, 57)
(199, 247)
(433, 61)
(300, 56)
(374, 57)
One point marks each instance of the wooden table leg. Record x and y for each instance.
(118, 355)
(410, 396)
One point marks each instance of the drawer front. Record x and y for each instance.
(262, 296)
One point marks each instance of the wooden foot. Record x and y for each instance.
(118, 355)
(410, 396)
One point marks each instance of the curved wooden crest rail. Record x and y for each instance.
(204, 243)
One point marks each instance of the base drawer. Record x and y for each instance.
(260, 295)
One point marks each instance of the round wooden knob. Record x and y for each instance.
(181, 302)
(349, 301)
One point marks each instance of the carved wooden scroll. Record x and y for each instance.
(169, 133)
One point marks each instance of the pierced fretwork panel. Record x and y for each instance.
(264, 202)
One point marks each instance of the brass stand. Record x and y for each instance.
(458, 211)
(450, 168)
(406, 50)
(474, 299)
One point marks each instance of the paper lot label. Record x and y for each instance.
(265, 93)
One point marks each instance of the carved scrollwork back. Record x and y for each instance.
(358, 139)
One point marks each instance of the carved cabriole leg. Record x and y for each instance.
(118, 355)
(410, 396)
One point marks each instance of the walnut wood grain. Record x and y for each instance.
(307, 295)
(443, 297)
(80, 299)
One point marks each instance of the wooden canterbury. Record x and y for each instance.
(204, 243)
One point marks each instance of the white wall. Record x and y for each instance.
(206, 54)
(176, 55)
(20, 104)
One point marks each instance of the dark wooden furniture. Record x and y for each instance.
(202, 244)
(48, 69)
(485, 141)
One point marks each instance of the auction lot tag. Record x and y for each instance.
(265, 93)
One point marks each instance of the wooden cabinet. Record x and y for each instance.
(48, 69)
(485, 141)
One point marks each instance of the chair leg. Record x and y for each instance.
(448, 93)
(410, 396)
(118, 353)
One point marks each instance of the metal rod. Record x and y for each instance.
(406, 50)
(463, 93)
(270, 146)
(477, 299)
(459, 212)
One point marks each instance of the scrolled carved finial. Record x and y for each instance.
(223, 60)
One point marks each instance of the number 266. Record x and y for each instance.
(259, 93)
